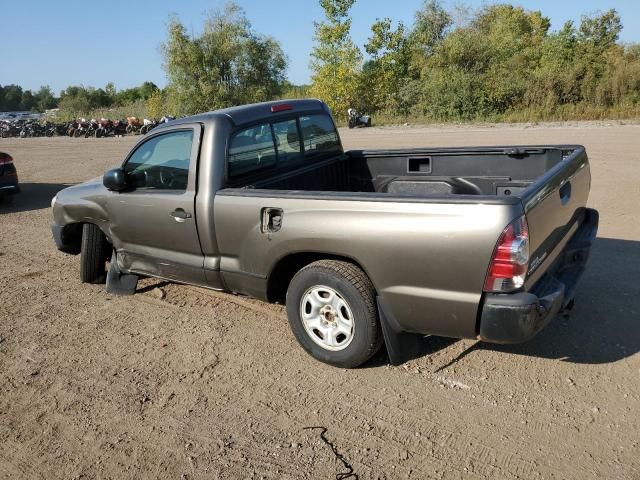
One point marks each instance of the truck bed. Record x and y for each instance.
(492, 171)
(549, 184)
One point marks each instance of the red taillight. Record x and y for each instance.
(281, 108)
(510, 260)
(5, 159)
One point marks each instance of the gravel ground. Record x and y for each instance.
(184, 383)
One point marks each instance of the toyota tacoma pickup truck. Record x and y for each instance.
(364, 247)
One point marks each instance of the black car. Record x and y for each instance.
(8, 175)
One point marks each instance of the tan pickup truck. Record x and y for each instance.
(365, 247)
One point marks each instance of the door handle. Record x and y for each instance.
(179, 215)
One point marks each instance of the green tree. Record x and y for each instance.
(45, 99)
(76, 101)
(336, 61)
(131, 95)
(28, 101)
(387, 70)
(110, 90)
(228, 64)
(431, 25)
(601, 31)
(480, 70)
(12, 100)
(289, 90)
(597, 36)
(156, 105)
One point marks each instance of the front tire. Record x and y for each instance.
(93, 254)
(331, 307)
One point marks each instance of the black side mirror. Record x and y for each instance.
(115, 180)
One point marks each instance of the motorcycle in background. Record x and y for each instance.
(147, 126)
(357, 119)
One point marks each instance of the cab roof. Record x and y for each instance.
(256, 111)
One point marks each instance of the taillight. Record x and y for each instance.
(508, 267)
(5, 159)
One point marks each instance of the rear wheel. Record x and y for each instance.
(93, 254)
(332, 312)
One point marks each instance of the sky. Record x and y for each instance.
(56, 44)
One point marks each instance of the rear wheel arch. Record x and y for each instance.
(286, 267)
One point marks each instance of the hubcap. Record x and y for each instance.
(327, 318)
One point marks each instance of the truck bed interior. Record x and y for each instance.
(500, 171)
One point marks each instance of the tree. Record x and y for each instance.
(481, 69)
(45, 99)
(131, 95)
(601, 31)
(110, 89)
(12, 98)
(431, 24)
(385, 73)
(336, 60)
(156, 105)
(28, 101)
(597, 36)
(228, 64)
(147, 89)
(80, 100)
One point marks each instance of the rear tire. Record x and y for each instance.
(339, 299)
(93, 254)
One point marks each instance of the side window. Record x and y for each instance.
(319, 135)
(161, 162)
(251, 149)
(288, 141)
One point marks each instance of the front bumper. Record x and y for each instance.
(517, 317)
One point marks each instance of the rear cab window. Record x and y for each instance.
(319, 135)
(281, 144)
(288, 141)
(251, 149)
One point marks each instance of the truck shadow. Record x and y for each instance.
(32, 196)
(603, 327)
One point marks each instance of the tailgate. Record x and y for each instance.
(554, 205)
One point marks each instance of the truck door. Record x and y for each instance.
(153, 224)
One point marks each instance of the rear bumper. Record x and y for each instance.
(517, 317)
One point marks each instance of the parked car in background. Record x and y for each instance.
(8, 175)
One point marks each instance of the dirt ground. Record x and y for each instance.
(183, 383)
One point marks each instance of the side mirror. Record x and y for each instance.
(114, 180)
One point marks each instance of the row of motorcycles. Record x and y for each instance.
(79, 128)
(112, 128)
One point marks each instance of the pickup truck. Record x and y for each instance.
(364, 247)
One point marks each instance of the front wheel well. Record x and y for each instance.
(284, 270)
(72, 237)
